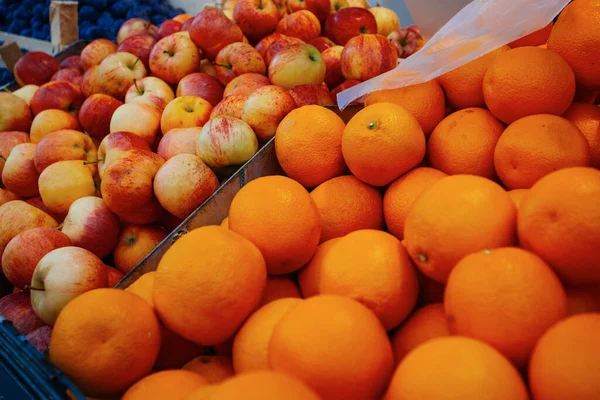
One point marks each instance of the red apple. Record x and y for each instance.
(226, 141)
(297, 64)
(245, 84)
(302, 25)
(407, 41)
(231, 105)
(19, 174)
(333, 74)
(71, 75)
(114, 276)
(201, 85)
(23, 253)
(321, 8)
(114, 145)
(15, 114)
(279, 44)
(139, 118)
(367, 56)
(348, 23)
(95, 114)
(211, 30)
(169, 27)
(6, 195)
(185, 112)
(38, 203)
(185, 26)
(57, 95)
(151, 91)
(35, 68)
(8, 140)
(178, 141)
(72, 62)
(95, 52)
(236, 59)
(49, 121)
(322, 43)
(40, 338)
(135, 243)
(65, 144)
(311, 94)
(264, 44)
(265, 108)
(17, 309)
(127, 186)
(139, 45)
(343, 86)
(135, 26)
(90, 82)
(91, 225)
(387, 20)
(256, 18)
(117, 73)
(26, 92)
(174, 57)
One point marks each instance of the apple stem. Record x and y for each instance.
(2, 158)
(136, 61)
(136, 86)
(59, 227)
(92, 162)
(27, 287)
(223, 66)
(7, 90)
(171, 53)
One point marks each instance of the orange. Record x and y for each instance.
(464, 143)
(204, 393)
(586, 117)
(225, 223)
(382, 142)
(402, 194)
(278, 215)
(143, 287)
(171, 384)
(527, 81)
(280, 287)
(424, 324)
(214, 369)
(583, 299)
(346, 205)
(208, 282)
(535, 38)
(534, 146)
(308, 277)
(335, 345)
(105, 340)
(457, 216)
(506, 297)
(566, 360)
(373, 268)
(425, 101)
(517, 196)
(464, 85)
(251, 343)
(308, 144)
(559, 220)
(575, 38)
(456, 368)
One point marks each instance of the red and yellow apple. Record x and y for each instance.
(236, 59)
(226, 141)
(265, 108)
(114, 276)
(8, 140)
(207, 67)
(321, 43)
(35, 68)
(15, 114)
(201, 85)
(279, 44)
(38, 203)
(6, 195)
(387, 20)
(311, 94)
(49, 121)
(95, 52)
(139, 45)
(19, 174)
(168, 27)
(71, 75)
(367, 56)
(348, 23)
(407, 41)
(298, 64)
(256, 18)
(321, 8)
(151, 91)
(57, 95)
(211, 30)
(174, 57)
(117, 72)
(264, 44)
(95, 114)
(245, 84)
(333, 63)
(135, 26)
(91, 82)
(185, 112)
(139, 118)
(178, 141)
(135, 243)
(65, 144)
(302, 24)
(232, 106)
(26, 92)
(16, 308)
(114, 145)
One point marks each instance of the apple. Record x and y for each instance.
(185, 112)
(72, 62)
(407, 41)
(298, 64)
(96, 112)
(40, 338)
(19, 174)
(6, 195)
(232, 106)
(348, 23)
(117, 72)
(60, 276)
(26, 92)
(71, 75)
(90, 82)
(211, 30)
(265, 42)
(311, 94)
(169, 27)
(139, 45)
(92, 226)
(174, 57)
(321, 43)
(114, 145)
(387, 20)
(139, 118)
(25, 250)
(114, 276)
(202, 85)
(178, 141)
(15, 114)
(95, 52)
(17, 309)
(35, 68)
(183, 183)
(321, 8)
(49, 121)
(186, 25)
(38, 203)
(135, 243)
(150, 91)
(256, 18)
(265, 108)
(65, 144)
(57, 95)
(302, 25)
(337, 5)
(63, 182)
(343, 86)
(236, 59)
(367, 56)
(333, 71)
(8, 140)
(135, 26)
(127, 186)
(278, 45)
(245, 84)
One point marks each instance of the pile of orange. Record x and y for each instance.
(441, 244)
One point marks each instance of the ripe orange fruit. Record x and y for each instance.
(346, 205)
(575, 38)
(308, 277)
(280, 287)
(401, 195)
(143, 287)
(336, 346)
(456, 216)
(208, 282)
(583, 299)
(536, 38)
(586, 117)
(527, 81)
(517, 195)
(506, 297)
(204, 393)
(105, 351)
(308, 144)
(388, 286)
(251, 343)
(559, 220)
(170, 384)
(425, 323)
(456, 368)
(464, 143)
(566, 360)
(534, 146)
(225, 223)
(214, 369)
(425, 101)
(382, 142)
(278, 215)
(464, 85)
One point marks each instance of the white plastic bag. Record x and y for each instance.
(480, 27)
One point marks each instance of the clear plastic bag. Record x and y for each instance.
(477, 29)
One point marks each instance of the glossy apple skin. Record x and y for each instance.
(174, 57)
(278, 45)
(95, 52)
(19, 174)
(348, 23)
(231, 105)
(367, 56)
(236, 59)
(71, 75)
(302, 24)
(311, 94)
(245, 84)
(26, 92)
(15, 114)
(178, 141)
(298, 64)
(57, 95)
(65, 144)
(90, 82)
(185, 112)
(25, 250)
(201, 85)
(141, 119)
(256, 18)
(40, 338)
(49, 121)
(265, 108)
(226, 141)
(16, 308)
(72, 62)
(38, 203)
(151, 91)
(169, 27)
(6, 195)
(265, 42)
(211, 30)
(114, 145)
(117, 72)
(35, 68)
(8, 140)
(322, 43)
(387, 20)
(135, 243)
(333, 63)
(136, 26)
(95, 114)
(139, 45)
(321, 8)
